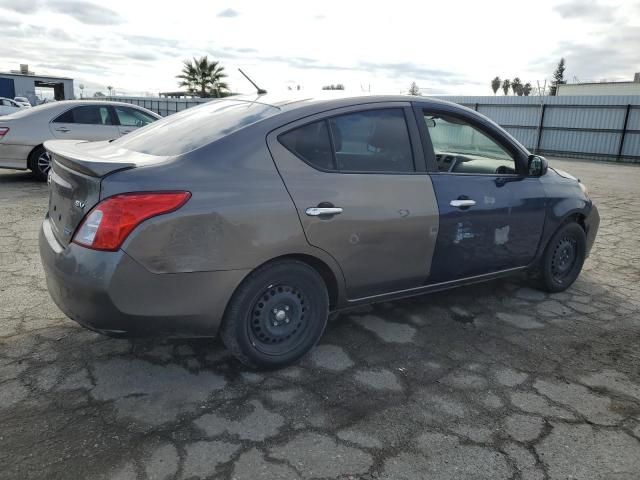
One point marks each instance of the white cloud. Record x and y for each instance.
(454, 47)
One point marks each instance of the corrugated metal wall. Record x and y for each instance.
(577, 126)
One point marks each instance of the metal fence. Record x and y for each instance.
(598, 127)
(162, 106)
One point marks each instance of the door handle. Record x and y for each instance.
(62, 129)
(462, 203)
(318, 211)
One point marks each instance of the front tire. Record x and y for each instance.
(563, 258)
(278, 314)
(40, 163)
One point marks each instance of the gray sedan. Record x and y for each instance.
(23, 133)
(256, 218)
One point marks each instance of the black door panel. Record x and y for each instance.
(500, 231)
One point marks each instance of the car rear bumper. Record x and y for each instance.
(14, 156)
(591, 223)
(111, 293)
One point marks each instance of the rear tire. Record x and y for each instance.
(39, 163)
(278, 314)
(563, 259)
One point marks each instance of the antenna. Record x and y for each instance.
(260, 90)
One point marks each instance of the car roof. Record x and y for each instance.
(326, 99)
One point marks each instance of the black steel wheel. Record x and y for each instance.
(277, 315)
(563, 258)
(40, 163)
(279, 319)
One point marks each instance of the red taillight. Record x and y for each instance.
(3, 131)
(109, 223)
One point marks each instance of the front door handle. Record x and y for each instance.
(462, 203)
(62, 129)
(318, 211)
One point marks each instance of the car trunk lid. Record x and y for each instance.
(77, 170)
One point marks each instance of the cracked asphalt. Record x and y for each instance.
(494, 381)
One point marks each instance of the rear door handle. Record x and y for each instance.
(462, 203)
(62, 129)
(317, 211)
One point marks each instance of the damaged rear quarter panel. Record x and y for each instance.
(238, 217)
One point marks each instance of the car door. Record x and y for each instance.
(491, 212)
(130, 119)
(85, 122)
(358, 182)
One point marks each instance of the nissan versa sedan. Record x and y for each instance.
(23, 133)
(256, 219)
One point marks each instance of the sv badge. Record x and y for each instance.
(78, 204)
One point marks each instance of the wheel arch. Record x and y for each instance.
(576, 215)
(329, 276)
(35, 147)
(325, 271)
(30, 157)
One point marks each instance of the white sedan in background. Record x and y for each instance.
(23, 133)
(8, 106)
(24, 101)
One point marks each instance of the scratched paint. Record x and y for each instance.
(463, 231)
(501, 235)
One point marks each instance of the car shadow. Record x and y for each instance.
(18, 176)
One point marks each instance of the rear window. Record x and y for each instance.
(193, 128)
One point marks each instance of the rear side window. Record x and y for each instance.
(372, 141)
(195, 127)
(131, 117)
(311, 143)
(87, 115)
(368, 141)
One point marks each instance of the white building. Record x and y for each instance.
(23, 83)
(601, 88)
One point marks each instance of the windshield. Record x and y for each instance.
(193, 128)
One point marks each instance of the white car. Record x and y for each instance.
(23, 133)
(8, 106)
(24, 101)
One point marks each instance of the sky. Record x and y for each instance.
(447, 47)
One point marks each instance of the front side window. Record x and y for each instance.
(87, 115)
(459, 147)
(368, 141)
(130, 117)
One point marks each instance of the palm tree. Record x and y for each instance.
(495, 84)
(516, 86)
(526, 89)
(505, 86)
(204, 78)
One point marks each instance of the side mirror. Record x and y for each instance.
(537, 166)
